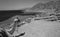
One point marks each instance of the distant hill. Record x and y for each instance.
(48, 5)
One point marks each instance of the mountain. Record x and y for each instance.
(50, 5)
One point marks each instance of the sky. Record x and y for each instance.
(17, 4)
